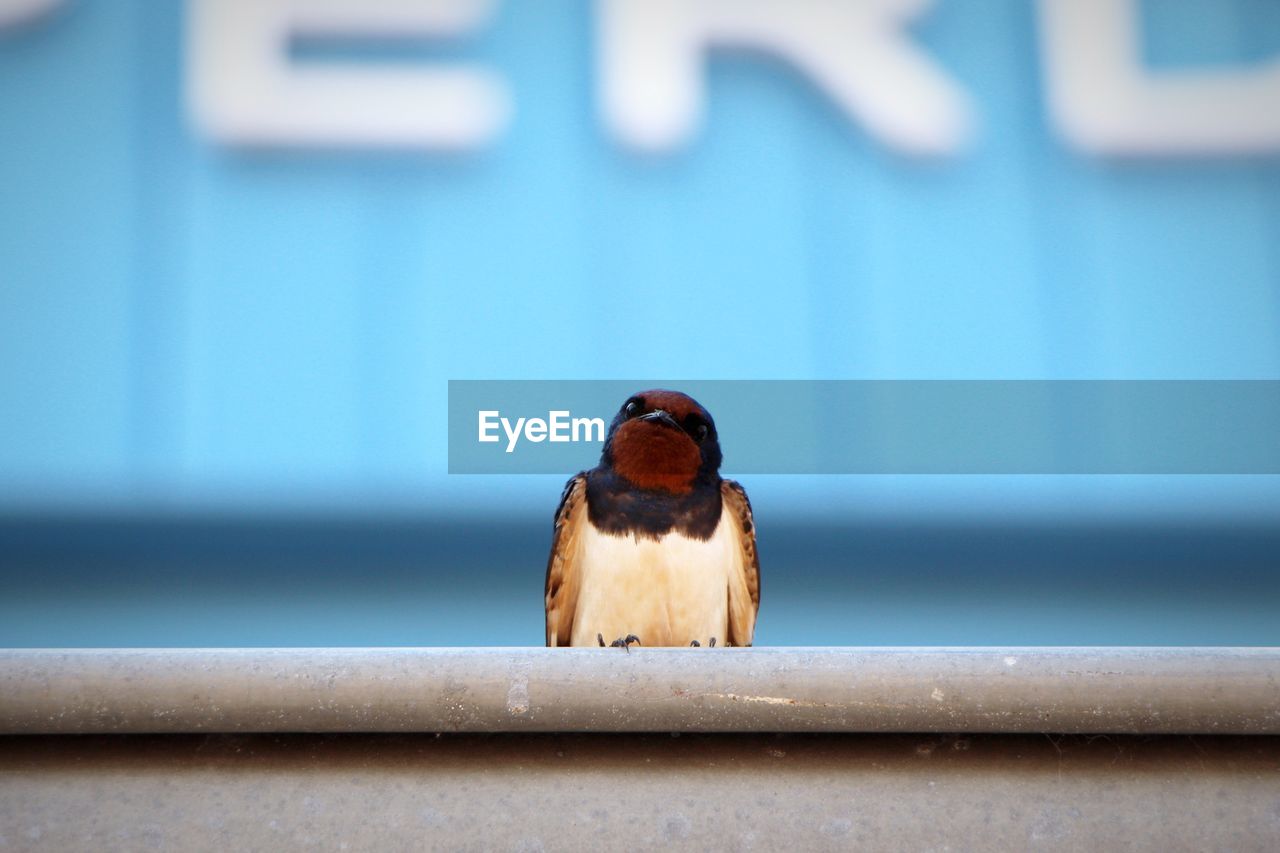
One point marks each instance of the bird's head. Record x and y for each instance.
(663, 440)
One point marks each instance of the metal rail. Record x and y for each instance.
(638, 792)
(1009, 690)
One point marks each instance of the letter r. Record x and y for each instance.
(652, 54)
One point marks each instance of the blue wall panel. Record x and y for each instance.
(68, 217)
(182, 323)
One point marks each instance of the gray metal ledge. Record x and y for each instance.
(1009, 690)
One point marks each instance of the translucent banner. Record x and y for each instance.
(889, 427)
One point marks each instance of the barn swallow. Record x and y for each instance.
(652, 546)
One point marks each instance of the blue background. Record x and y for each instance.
(198, 338)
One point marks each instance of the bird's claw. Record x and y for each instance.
(695, 644)
(623, 643)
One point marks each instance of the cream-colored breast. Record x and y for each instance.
(667, 591)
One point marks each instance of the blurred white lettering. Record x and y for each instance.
(14, 12)
(243, 88)
(1104, 100)
(652, 54)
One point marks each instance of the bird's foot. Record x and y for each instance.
(623, 643)
(695, 644)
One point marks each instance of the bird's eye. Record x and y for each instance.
(700, 433)
(631, 409)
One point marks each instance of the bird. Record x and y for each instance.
(652, 547)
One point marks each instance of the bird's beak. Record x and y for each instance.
(660, 416)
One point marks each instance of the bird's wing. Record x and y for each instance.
(563, 571)
(744, 581)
